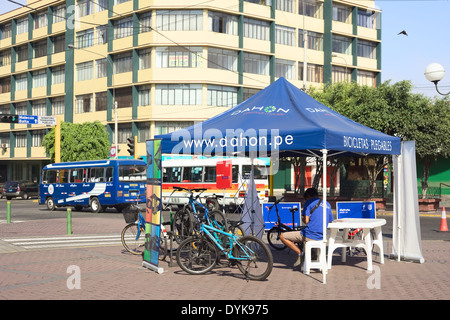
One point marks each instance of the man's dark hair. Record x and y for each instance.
(311, 192)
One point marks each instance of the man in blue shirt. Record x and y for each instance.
(312, 216)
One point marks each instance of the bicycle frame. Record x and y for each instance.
(228, 252)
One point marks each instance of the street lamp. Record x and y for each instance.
(71, 46)
(434, 73)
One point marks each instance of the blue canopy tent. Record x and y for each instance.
(280, 121)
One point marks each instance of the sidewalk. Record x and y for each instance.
(107, 272)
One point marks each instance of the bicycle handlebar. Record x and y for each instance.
(276, 202)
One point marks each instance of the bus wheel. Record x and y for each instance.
(96, 207)
(50, 203)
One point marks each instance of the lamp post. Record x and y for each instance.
(434, 73)
(71, 46)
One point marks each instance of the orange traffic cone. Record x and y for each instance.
(444, 226)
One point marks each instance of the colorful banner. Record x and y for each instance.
(154, 205)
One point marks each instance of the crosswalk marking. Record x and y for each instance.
(64, 242)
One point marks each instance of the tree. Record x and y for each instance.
(79, 141)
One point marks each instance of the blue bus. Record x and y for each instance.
(96, 184)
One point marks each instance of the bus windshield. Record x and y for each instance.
(132, 173)
(259, 171)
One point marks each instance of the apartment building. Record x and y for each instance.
(167, 64)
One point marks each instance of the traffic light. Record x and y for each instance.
(131, 147)
(9, 118)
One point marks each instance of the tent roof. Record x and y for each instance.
(279, 119)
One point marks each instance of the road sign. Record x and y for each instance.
(26, 119)
(112, 151)
(47, 120)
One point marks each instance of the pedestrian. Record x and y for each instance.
(312, 217)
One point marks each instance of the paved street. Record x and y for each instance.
(30, 269)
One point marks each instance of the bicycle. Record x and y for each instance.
(199, 254)
(133, 234)
(273, 236)
(185, 221)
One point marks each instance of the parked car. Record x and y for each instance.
(22, 188)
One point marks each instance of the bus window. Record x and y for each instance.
(76, 175)
(49, 176)
(210, 174)
(260, 172)
(63, 176)
(235, 174)
(96, 175)
(109, 174)
(192, 174)
(172, 174)
(132, 173)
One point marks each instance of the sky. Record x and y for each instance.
(427, 23)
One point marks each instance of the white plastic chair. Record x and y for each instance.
(321, 263)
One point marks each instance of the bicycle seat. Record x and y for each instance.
(234, 224)
(293, 209)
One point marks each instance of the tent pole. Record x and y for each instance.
(324, 207)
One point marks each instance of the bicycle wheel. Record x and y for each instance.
(197, 255)
(162, 246)
(255, 258)
(217, 220)
(182, 224)
(130, 241)
(273, 238)
(211, 204)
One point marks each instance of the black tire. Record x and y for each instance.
(130, 242)
(182, 224)
(260, 264)
(95, 205)
(197, 255)
(273, 238)
(50, 203)
(218, 220)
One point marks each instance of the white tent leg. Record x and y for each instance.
(324, 211)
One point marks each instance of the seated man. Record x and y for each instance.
(312, 216)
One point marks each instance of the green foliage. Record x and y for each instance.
(79, 141)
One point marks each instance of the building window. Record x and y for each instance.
(39, 108)
(5, 58)
(222, 23)
(341, 13)
(143, 131)
(222, 96)
(314, 72)
(102, 5)
(179, 20)
(144, 58)
(5, 31)
(22, 25)
(40, 20)
(256, 29)
(342, 45)
(144, 95)
(285, 5)
(341, 74)
(367, 19)
(100, 101)
(123, 96)
(21, 140)
(58, 75)
(4, 139)
(367, 78)
(22, 53)
(85, 71)
(367, 49)
(39, 78)
(248, 93)
(101, 69)
(256, 63)
(85, 7)
(285, 68)
(285, 35)
(83, 103)
(124, 131)
(178, 94)
(178, 57)
(85, 38)
(58, 105)
(40, 48)
(162, 127)
(123, 62)
(59, 13)
(36, 137)
(315, 40)
(310, 8)
(102, 34)
(123, 28)
(59, 43)
(222, 59)
(22, 108)
(5, 84)
(262, 2)
(146, 22)
(21, 82)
